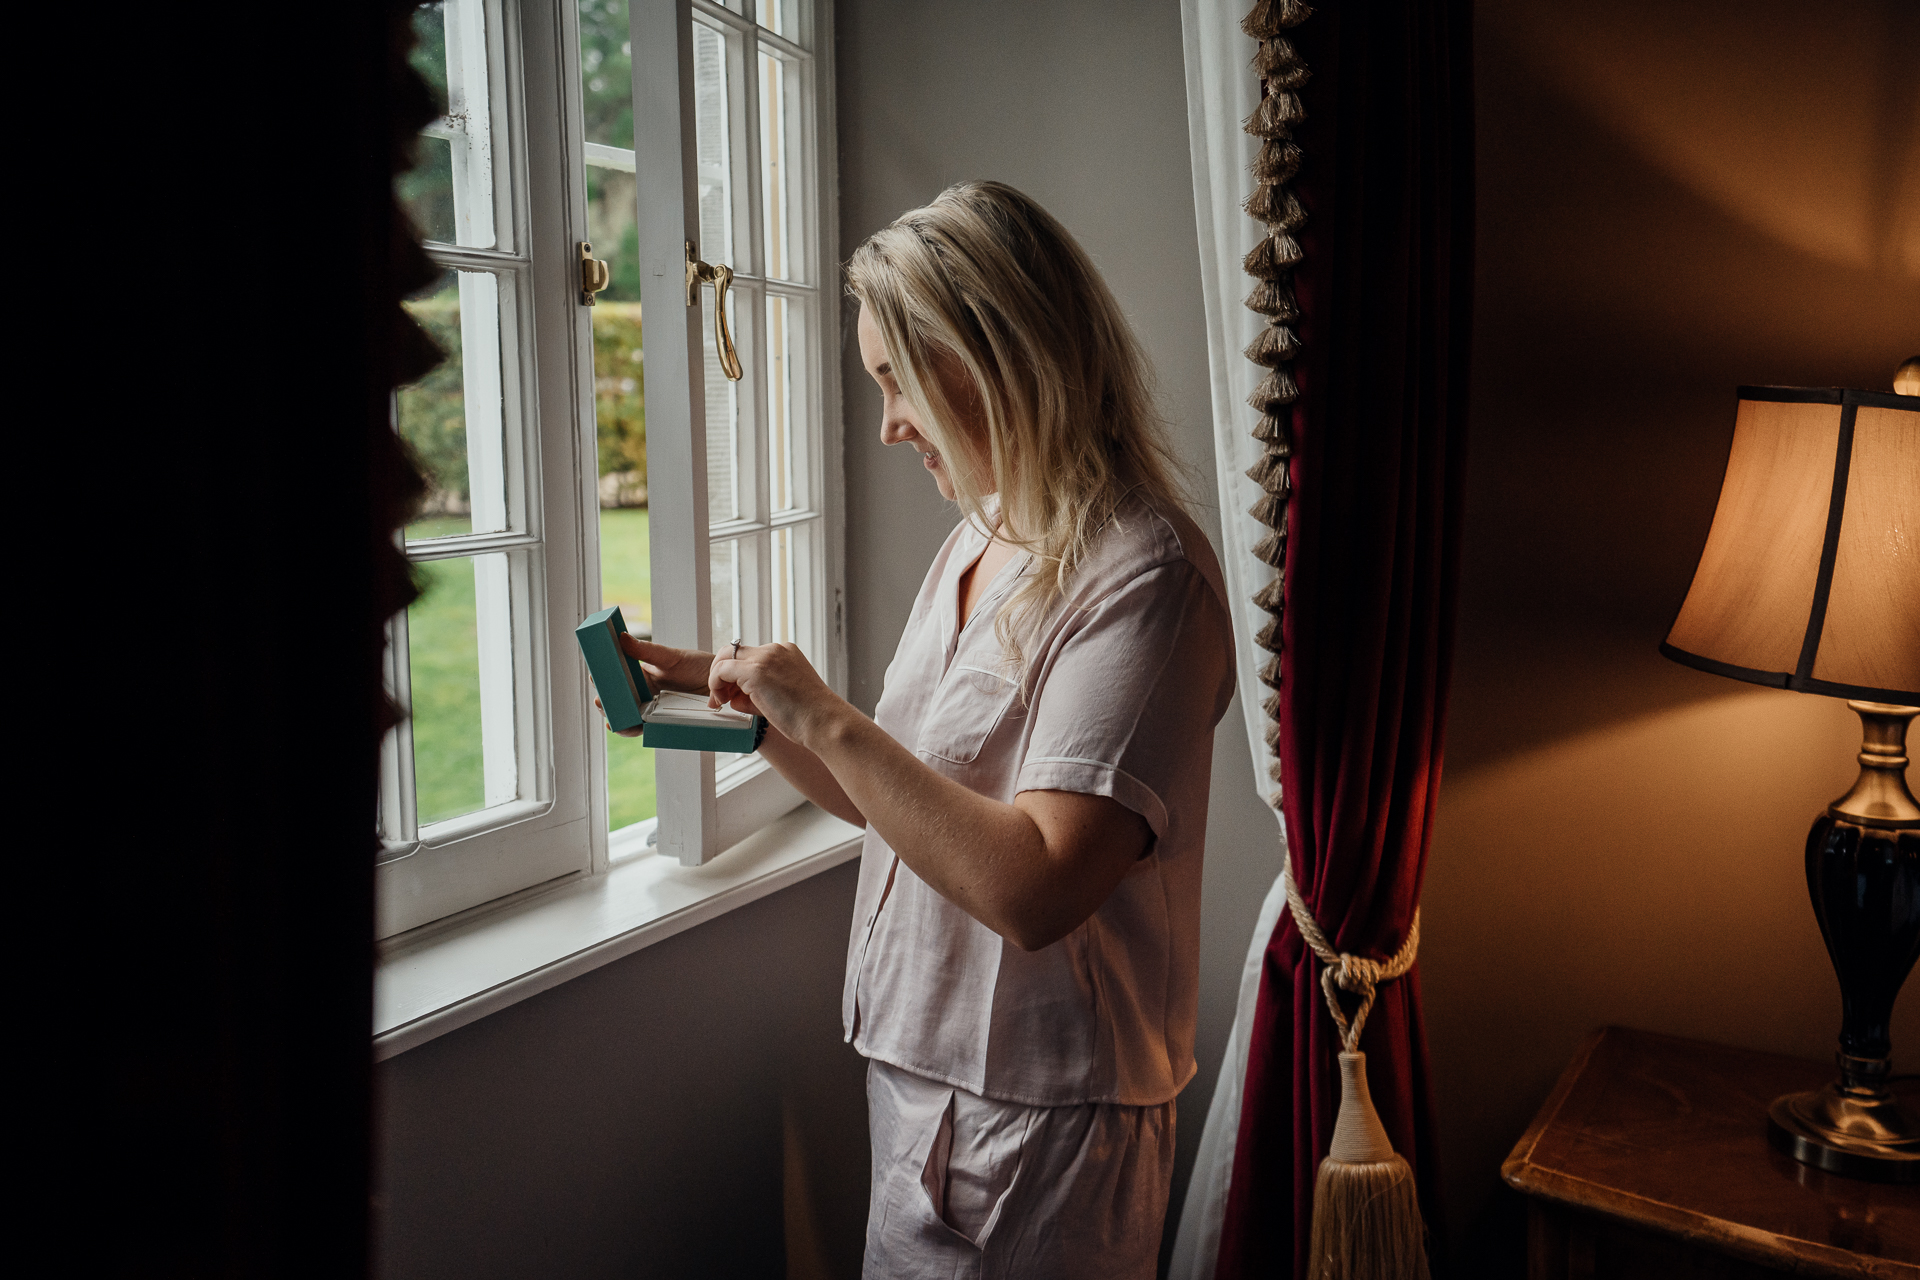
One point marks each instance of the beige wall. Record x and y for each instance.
(1674, 199)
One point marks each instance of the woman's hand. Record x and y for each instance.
(775, 681)
(678, 670)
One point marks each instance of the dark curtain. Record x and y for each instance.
(250, 312)
(1378, 462)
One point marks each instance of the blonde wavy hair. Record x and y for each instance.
(985, 278)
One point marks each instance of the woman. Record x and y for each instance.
(1022, 968)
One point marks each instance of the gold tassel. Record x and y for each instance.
(1271, 431)
(1275, 55)
(1366, 1217)
(1274, 205)
(1278, 161)
(1269, 511)
(1271, 17)
(1275, 300)
(1276, 116)
(1292, 77)
(1270, 677)
(1271, 550)
(1275, 346)
(1278, 776)
(1271, 258)
(1271, 705)
(1272, 597)
(1269, 639)
(1273, 738)
(1262, 471)
(1276, 389)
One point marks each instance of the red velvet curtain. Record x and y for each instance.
(1372, 564)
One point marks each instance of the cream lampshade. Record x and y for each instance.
(1811, 575)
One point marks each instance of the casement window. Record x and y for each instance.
(666, 447)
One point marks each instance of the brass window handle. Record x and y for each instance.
(721, 278)
(594, 274)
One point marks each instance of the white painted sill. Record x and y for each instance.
(442, 982)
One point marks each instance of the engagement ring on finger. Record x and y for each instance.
(736, 648)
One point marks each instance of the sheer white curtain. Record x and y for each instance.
(1222, 91)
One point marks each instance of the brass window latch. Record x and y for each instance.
(721, 278)
(593, 274)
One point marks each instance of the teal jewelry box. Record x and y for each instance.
(673, 721)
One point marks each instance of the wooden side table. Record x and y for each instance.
(1650, 1159)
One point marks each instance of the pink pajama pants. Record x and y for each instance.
(968, 1187)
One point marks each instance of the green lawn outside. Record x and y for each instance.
(626, 579)
(444, 655)
(443, 650)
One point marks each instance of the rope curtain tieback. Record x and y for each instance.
(1366, 1216)
(1357, 975)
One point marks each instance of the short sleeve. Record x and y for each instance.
(1131, 691)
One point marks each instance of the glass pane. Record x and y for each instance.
(779, 166)
(426, 190)
(620, 409)
(723, 414)
(626, 563)
(713, 147)
(781, 571)
(726, 594)
(449, 645)
(791, 572)
(449, 190)
(452, 418)
(606, 92)
(606, 72)
(777, 16)
(626, 575)
(782, 369)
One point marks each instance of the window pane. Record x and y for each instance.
(426, 190)
(791, 572)
(783, 368)
(606, 93)
(452, 418)
(779, 166)
(449, 191)
(461, 687)
(713, 147)
(726, 595)
(606, 72)
(778, 16)
(620, 409)
(626, 565)
(723, 413)
(626, 576)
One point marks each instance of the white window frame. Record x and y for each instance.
(705, 807)
(546, 816)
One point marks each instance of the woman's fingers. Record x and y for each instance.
(625, 733)
(775, 679)
(671, 668)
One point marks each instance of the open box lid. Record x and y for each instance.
(617, 677)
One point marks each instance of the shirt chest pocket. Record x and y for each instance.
(968, 706)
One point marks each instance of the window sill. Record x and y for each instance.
(438, 984)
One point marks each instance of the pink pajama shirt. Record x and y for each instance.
(1051, 1074)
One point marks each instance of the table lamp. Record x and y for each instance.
(1810, 580)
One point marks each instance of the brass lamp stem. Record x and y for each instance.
(1863, 873)
(1879, 797)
